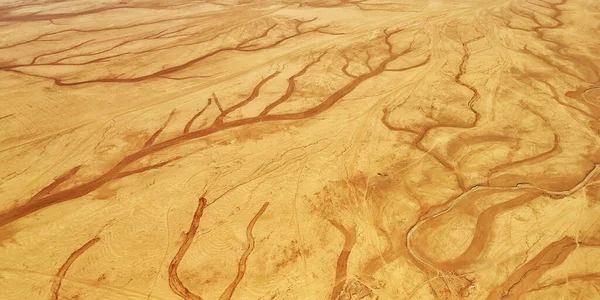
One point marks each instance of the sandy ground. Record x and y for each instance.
(336, 149)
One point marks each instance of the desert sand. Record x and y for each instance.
(281, 149)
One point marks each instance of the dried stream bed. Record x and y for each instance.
(318, 149)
